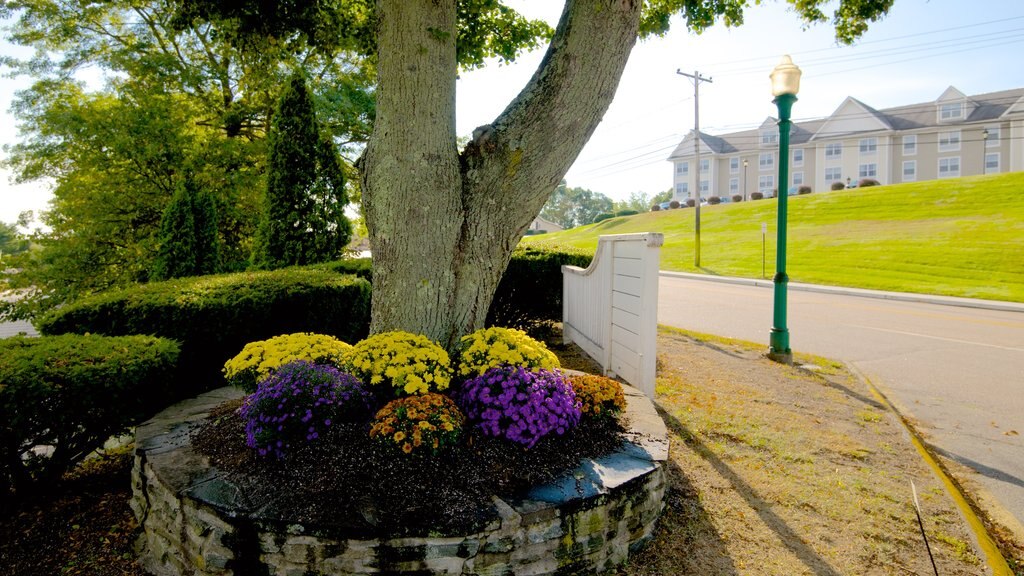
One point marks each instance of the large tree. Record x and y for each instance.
(442, 222)
(571, 207)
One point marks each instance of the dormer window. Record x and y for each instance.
(950, 112)
(769, 138)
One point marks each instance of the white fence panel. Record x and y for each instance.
(610, 309)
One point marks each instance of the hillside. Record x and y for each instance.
(956, 237)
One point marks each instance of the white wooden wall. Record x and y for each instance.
(610, 310)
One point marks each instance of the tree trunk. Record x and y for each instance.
(443, 226)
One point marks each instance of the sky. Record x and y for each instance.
(915, 53)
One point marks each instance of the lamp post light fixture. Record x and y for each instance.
(785, 85)
(984, 149)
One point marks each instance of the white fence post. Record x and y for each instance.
(610, 310)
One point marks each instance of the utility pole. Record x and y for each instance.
(696, 78)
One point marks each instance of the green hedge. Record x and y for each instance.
(61, 397)
(530, 292)
(213, 317)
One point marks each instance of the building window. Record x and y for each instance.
(682, 188)
(910, 145)
(868, 145)
(992, 163)
(767, 160)
(949, 167)
(798, 178)
(951, 111)
(734, 185)
(683, 168)
(734, 165)
(770, 138)
(765, 183)
(833, 151)
(703, 185)
(949, 141)
(798, 157)
(867, 170)
(993, 137)
(833, 174)
(910, 171)
(705, 165)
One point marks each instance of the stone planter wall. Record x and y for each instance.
(196, 521)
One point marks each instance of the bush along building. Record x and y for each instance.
(955, 135)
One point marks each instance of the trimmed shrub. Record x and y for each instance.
(530, 293)
(602, 217)
(756, 196)
(737, 198)
(626, 213)
(656, 208)
(674, 204)
(61, 397)
(213, 317)
(838, 186)
(493, 347)
(803, 190)
(714, 200)
(362, 267)
(690, 202)
(868, 182)
(262, 358)
(188, 241)
(430, 422)
(519, 405)
(298, 403)
(400, 363)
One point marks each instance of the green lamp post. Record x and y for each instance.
(785, 85)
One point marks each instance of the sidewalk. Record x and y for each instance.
(861, 292)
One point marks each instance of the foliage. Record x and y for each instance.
(430, 422)
(71, 393)
(656, 208)
(519, 405)
(11, 241)
(571, 207)
(599, 397)
(837, 186)
(737, 198)
(603, 217)
(690, 202)
(259, 359)
(674, 204)
(213, 317)
(299, 402)
(188, 243)
(639, 201)
(660, 197)
(530, 292)
(803, 190)
(303, 218)
(174, 101)
(400, 363)
(714, 200)
(756, 195)
(492, 347)
(864, 182)
(627, 213)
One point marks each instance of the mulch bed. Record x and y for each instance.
(350, 481)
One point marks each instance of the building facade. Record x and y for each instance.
(955, 135)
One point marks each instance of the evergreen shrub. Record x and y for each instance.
(213, 317)
(690, 202)
(737, 198)
(756, 195)
(602, 217)
(626, 213)
(803, 190)
(530, 293)
(714, 200)
(864, 182)
(674, 204)
(656, 208)
(61, 397)
(838, 186)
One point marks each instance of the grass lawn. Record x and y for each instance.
(956, 237)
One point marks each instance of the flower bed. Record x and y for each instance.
(466, 467)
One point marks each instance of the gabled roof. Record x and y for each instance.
(851, 117)
(950, 93)
(1015, 108)
(709, 144)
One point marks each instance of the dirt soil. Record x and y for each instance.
(774, 470)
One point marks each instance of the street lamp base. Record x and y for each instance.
(781, 357)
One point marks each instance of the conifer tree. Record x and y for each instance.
(303, 220)
(188, 234)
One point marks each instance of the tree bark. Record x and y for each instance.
(443, 225)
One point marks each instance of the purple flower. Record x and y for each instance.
(519, 405)
(291, 403)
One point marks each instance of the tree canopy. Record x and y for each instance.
(572, 207)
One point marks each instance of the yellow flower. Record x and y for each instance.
(399, 436)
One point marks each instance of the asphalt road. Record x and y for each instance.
(958, 372)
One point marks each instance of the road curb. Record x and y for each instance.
(860, 292)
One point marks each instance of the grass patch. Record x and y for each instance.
(956, 237)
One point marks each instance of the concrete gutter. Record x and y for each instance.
(861, 292)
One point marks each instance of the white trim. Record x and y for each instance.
(994, 169)
(903, 141)
(913, 177)
(800, 162)
(949, 171)
(953, 139)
